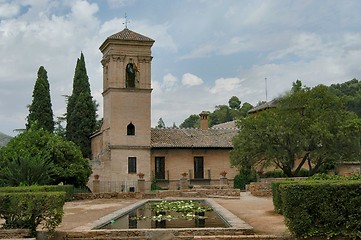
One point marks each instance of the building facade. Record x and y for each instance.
(126, 146)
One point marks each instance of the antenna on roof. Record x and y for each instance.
(265, 80)
(126, 21)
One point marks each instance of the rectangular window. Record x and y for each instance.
(198, 167)
(132, 165)
(160, 167)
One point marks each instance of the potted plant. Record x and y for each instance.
(140, 175)
(184, 174)
(223, 174)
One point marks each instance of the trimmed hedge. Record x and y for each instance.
(322, 208)
(68, 189)
(276, 193)
(30, 209)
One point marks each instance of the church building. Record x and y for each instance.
(126, 147)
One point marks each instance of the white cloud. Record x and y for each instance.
(8, 10)
(119, 3)
(83, 11)
(226, 85)
(169, 82)
(201, 51)
(189, 79)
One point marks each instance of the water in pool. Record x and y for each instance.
(168, 214)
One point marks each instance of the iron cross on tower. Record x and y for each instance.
(126, 21)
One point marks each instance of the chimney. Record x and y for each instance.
(204, 120)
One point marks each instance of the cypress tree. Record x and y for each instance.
(81, 110)
(40, 110)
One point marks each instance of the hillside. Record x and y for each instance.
(4, 139)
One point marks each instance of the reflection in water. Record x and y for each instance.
(133, 222)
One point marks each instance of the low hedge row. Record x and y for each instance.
(68, 189)
(329, 209)
(30, 209)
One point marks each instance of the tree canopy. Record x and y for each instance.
(221, 114)
(81, 110)
(40, 110)
(350, 92)
(40, 157)
(310, 125)
(191, 122)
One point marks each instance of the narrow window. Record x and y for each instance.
(130, 129)
(130, 75)
(160, 167)
(132, 164)
(198, 167)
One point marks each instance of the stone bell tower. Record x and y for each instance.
(122, 147)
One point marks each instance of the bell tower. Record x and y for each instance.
(125, 133)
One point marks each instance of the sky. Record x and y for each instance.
(205, 51)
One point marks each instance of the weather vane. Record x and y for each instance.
(126, 21)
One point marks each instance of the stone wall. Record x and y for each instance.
(198, 193)
(15, 234)
(263, 188)
(121, 195)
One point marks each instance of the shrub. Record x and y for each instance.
(276, 194)
(323, 208)
(303, 173)
(274, 174)
(30, 209)
(244, 178)
(68, 189)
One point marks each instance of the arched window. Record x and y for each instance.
(130, 75)
(130, 129)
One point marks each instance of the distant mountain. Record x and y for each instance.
(4, 139)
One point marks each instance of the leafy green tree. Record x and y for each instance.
(234, 102)
(221, 114)
(191, 122)
(311, 124)
(161, 123)
(81, 110)
(40, 109)
(243, 111)
(35, 151)
(350, 92)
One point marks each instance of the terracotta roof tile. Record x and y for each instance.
(192, 138)
(127, 34)
(231, 124)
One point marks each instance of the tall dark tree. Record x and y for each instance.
(81, 110)
(161, 123)
(40, 110)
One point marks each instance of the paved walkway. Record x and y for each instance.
(257, 212)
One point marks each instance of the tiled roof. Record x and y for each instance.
(127, 34)
(231, 124)
(192, 138)
(264, 106)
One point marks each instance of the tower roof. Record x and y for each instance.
(129, 35)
